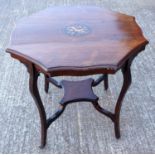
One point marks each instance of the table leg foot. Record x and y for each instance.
(117, 129)
(43, 139)
(43, 136)
(35, 94)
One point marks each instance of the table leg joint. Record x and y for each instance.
(103, 111)
(56, 115)
(101, 78)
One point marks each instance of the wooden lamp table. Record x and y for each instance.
(76, 41)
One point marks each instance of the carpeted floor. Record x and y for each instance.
(81, 129)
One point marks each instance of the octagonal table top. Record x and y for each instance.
(76, 38)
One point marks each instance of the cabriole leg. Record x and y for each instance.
(126, 83)
(35, 94)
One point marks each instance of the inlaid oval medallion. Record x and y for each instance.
(77, 30)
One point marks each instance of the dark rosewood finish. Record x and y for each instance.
(35, 94)
(41, 38)
(77, 41)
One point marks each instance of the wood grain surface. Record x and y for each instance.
(81, 38)
(79, 130)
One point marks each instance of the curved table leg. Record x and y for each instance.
(126, 83)
(35, 94)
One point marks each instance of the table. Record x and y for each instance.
(76, 41)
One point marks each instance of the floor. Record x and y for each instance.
(81, 129)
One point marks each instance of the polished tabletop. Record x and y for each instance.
(77, 38)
